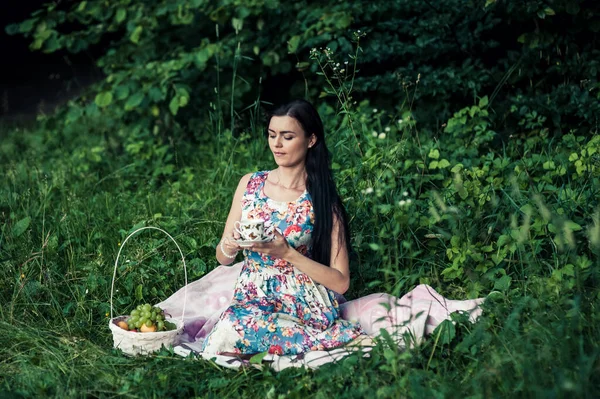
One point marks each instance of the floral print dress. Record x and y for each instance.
(276, 307)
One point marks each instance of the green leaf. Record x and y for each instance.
(434, 153)
(184, 97)
(122, 92)
(103, 99)
(174, 105)
(344, 21)
(483, 102)
(502, 240)
(20, 227)
(258, 358)
(573, 157)
(457, 168)
(503, 283)
(572, 225)
(138, 292)
(293, 44)
(374, 246)
(443, 164)
(134, 101)
(121, 15)
(135, 36)
(27, 25)
(446, 331)
(12, 29)
(237, 24)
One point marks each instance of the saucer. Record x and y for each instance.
(248, 243)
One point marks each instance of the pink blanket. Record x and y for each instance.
(418, 313)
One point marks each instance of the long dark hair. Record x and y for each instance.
(319, 182)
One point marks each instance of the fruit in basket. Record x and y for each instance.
(123, 325)
(146, 329)
(148, 318)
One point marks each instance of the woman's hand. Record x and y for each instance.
(230, 245)
(278, 247)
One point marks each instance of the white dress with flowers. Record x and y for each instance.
(275, 307)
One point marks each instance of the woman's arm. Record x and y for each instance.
(235, 214)
(336, 277)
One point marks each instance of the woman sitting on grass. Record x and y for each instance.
(284, 300)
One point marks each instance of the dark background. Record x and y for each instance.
(32, 81)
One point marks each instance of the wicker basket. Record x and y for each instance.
(138, 343)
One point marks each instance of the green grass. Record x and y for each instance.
(83, 195)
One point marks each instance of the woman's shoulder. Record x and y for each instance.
(251, 181)
(261, 175)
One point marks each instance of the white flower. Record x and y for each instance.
(368, 190)
(374, 110)
(342, 70)
(401, 202)
(381, 136)
(346, 62)
(408, 201)
(374, 133)
(86, 291)
(405, 193)
(387, 129)
(400, 121)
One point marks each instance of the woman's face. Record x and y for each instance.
(288, 141)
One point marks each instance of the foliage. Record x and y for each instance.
(169, 64)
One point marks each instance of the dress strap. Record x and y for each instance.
(255, 184)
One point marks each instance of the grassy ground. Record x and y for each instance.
(65, 207)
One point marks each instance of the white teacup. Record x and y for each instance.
(251, 229)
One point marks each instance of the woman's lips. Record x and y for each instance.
(279, 154)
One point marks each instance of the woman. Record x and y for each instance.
(284, 300)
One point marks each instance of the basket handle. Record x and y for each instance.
(112, 287)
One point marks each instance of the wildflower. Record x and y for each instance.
(374, 110)
(86, 291)
(374, 133)
(405, 193)
(342, 70)
(387, 129)
(408, 201)
(400, 121)
(22, 275)
(346, 62)
(381, 136)
(119, 244)
(106, 314)
(368, 190)
(401, 202)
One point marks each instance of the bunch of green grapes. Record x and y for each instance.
(148, 318)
